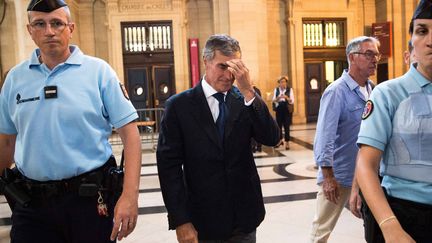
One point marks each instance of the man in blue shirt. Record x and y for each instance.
(338, 124)
(57, 110)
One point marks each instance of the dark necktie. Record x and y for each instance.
(220, 121)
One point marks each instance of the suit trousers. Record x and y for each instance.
(236, 237)
(327, 214)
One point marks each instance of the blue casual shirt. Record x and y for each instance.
(62, 137)
(338, 124)
(376, 131)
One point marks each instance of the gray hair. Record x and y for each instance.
(227, 45)
(354, 44)
(65, 8)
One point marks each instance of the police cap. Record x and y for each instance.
(45, 5)
(423, 10)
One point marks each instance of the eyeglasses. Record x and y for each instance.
(56, 25)
(370, 55)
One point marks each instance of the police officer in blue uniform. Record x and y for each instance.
(57, 110)
(395, 137)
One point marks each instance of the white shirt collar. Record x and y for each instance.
(208, 90)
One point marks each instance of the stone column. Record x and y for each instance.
(221, 16)
(400, 14)
(248, 24)
(16, 43)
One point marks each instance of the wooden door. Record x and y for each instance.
(148, 60)
(163, 84)
(315, 85)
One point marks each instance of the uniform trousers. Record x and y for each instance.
(327, 214)
(236, 237)
(66, 218)
(415, 219)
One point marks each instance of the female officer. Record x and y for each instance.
(397, 130)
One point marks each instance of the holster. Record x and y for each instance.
(114, 183)
(109, 181)
(11, 186)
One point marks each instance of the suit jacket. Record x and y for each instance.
(212, 184)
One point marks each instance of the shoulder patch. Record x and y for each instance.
(367, 109)
(124, 91)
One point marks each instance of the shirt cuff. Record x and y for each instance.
(325, 164)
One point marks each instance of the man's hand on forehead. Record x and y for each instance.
(236, 65)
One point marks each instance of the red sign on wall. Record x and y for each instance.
(383, 32)
(194, 61)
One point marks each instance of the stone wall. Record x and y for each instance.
(269, 31)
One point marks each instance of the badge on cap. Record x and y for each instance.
(125, 93)
(45, 5)
(367, 109)
(423, 10)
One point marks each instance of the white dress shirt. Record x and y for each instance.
(212, 101)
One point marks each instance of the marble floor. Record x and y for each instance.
(289, 188)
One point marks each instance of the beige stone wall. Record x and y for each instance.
(100, 25)
(253, 23)
(400, 15)
(75, 12)
(200, 24)
(92, 31)
(8, 38)
(244, 20)
(269, 32)
(316, 9)
(16, 44)
(367, 10)
(135, 10)
(277, 45)
(248, 24)
(221, 16)
(84, 33)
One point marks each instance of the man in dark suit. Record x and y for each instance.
(207, 173)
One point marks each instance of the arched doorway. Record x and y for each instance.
(148, 60)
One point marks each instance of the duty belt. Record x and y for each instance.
(71, 185)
